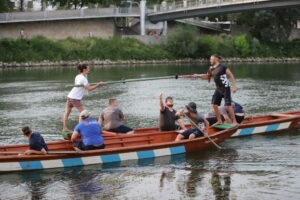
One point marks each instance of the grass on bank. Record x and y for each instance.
(184, 42)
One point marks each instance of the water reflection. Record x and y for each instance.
(36, 96)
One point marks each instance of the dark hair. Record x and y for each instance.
(169, 98)
(26, 130)
(110, 101)
(81, 67)
(217, 56)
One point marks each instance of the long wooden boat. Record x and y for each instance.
(117, 149)
(264, 124)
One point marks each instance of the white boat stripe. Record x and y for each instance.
(284, 125)
(52, 163)
(91, 160)
(260, 129)
(162, 152)
(128, 156)
(14, 166)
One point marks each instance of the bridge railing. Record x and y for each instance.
(187, 4)
(68, 14)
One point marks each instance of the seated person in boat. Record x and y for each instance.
(37, 143)
(197, 120)
(87, 134)
(239, 113)
(112, 117)
(167, 116)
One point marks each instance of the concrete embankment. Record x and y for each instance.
(147, 62)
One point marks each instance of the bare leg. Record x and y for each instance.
(192, 136)
(80, 109)
(76, 149)
(130, 132)
(65, 120)
(179, 137)
(227, 119)
(218, 115)
(231, 112)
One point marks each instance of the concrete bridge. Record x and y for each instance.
(197, 8)
(101, 22)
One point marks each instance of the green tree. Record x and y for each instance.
(242, 46)
(6, 6)
(183, 41)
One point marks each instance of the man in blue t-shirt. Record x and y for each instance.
(87, 134)
(37, 143)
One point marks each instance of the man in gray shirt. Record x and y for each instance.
(112, 117)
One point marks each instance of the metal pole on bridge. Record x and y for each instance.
(143, 16)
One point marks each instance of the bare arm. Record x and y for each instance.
(75, 137)
(101, 119)
(231, 76)
(92, 87)
(161, 103)
(181, 124)
(30, 152)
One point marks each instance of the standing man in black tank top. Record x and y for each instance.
(167, 117)
(219, 72)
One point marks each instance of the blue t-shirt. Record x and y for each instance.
(237, 108)
(90, 132)
(37, 142)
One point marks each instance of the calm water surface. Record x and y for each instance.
(258, 167)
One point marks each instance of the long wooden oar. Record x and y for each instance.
(205, 135)
(142, 79)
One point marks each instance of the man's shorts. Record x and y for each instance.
(74, 103)
(190, 131)
(121, 129)
(218, 96)
(82, 147)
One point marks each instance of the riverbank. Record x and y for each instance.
(142, 62)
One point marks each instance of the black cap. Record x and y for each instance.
(192, 107)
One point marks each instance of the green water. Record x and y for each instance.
(259, 167)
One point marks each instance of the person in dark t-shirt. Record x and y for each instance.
(37, 143)
(219, 72)
(167, 117)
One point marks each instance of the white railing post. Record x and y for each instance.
(143, 16)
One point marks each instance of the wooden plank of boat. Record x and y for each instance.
(265, 124)
(122, 148)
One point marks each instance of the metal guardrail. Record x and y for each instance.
(68, 14)
(192, 4)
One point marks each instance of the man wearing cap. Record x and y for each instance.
(87, 134)
(167, 116)
(192, 114)
(37, 143)
(219, 72)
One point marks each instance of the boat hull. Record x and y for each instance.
(264, 125)
(115, 153)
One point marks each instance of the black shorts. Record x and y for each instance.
(82, 147)
(218, 96)
(121, 129)
(190, 131)
(239, 119)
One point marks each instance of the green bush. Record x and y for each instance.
(183, 41)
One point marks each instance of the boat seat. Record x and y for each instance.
(131, 141)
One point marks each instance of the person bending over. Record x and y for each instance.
(191, 113)
(87, 134)
(112, 118)
(37, 143)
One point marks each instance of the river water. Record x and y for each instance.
(257, 167)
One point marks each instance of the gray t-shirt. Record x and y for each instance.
(111, 117)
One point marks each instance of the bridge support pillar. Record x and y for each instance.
(143, 16)
(165, 28)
